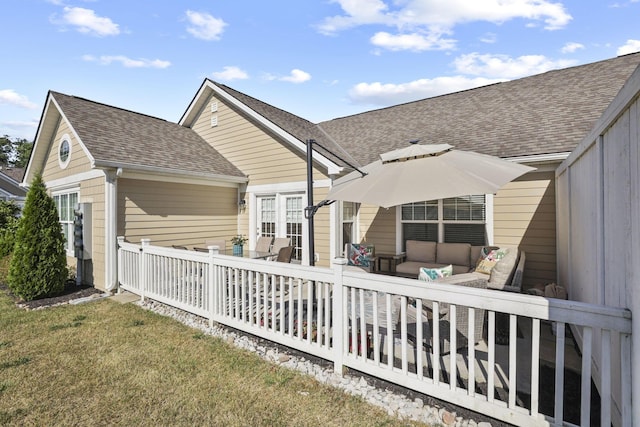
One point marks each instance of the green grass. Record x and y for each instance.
(104, 363)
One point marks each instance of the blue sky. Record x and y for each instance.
(318, 59)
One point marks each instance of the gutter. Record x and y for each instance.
(174, 172)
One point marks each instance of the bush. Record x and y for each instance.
(9, 221)
(39, 265)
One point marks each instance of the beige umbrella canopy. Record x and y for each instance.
(425, 172)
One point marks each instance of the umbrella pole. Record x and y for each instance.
(312, 249)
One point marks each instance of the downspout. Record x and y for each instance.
(110, 228)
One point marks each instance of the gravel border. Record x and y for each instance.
(397, 401)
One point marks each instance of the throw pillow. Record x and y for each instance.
(433, 274)
(489, 257)
(359, 255)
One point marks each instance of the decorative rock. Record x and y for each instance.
(448, 418)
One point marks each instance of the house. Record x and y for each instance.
(10, 179)
(236, 165)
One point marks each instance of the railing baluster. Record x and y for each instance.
(585, 401)
(419, 343)
(491, 368)
(559, 387)
(471, 381)
(435, 325)
(513, 366)
(453, 343)
(605, 377)
(535, 366)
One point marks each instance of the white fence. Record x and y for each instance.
(383, 326)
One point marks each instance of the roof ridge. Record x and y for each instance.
(80, 98)
(225, 87)
(555, 70)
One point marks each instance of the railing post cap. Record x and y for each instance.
(145, 242)
(340, 261)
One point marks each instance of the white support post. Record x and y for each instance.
(338, 316)
(110, 229)
(142, 282)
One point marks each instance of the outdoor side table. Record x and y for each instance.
(392, 261)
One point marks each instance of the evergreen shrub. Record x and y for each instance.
(39, 265)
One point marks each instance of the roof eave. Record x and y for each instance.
(106, 164)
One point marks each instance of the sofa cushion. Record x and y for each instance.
(421, 251)
(503, 270)
(432, 274)
(453, 253)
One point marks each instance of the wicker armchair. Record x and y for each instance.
(462, 319)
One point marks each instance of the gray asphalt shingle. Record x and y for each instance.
(115, 135)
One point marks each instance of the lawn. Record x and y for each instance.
(105, 363)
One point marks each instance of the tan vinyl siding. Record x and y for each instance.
(322, 228)
(254, 151)
(79, 161)
(378, 227)
(170, 213)
(92, 191)
(524, 216)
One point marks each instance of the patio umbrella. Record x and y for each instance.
(425, 172)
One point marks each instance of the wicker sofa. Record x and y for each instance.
(506, 275)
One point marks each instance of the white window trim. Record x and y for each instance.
(488, 222)
(76, 190)
(65, 163)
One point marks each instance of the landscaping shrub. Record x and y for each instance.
(9, 221)
(39, 266)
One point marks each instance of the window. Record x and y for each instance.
(66, 203)
(64, 151)
(454, 220)
(349, 212)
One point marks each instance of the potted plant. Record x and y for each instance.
(238, 242)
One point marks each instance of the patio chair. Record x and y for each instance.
(264, 243)
(462, 321)
(220, 243)
(179, 247)
(197, 249)
(285, 254)
(279, 243)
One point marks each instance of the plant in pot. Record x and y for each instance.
(238, 242)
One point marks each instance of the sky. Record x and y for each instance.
(318, 59)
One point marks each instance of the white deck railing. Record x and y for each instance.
(375, 324)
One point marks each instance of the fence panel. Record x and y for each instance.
(461, 344)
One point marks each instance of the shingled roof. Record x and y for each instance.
(117, 136)
(542, 114)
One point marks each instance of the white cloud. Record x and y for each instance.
(415, 42)
(505, 67)
(204, 26)
(571, 47)
(127, 62)
(434, 19)
(86, 21)
(390, 94)
(230, 73)
(11, 97)
(296, 76)
(489, 38)
(630, 46)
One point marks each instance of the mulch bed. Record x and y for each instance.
(71, 292)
